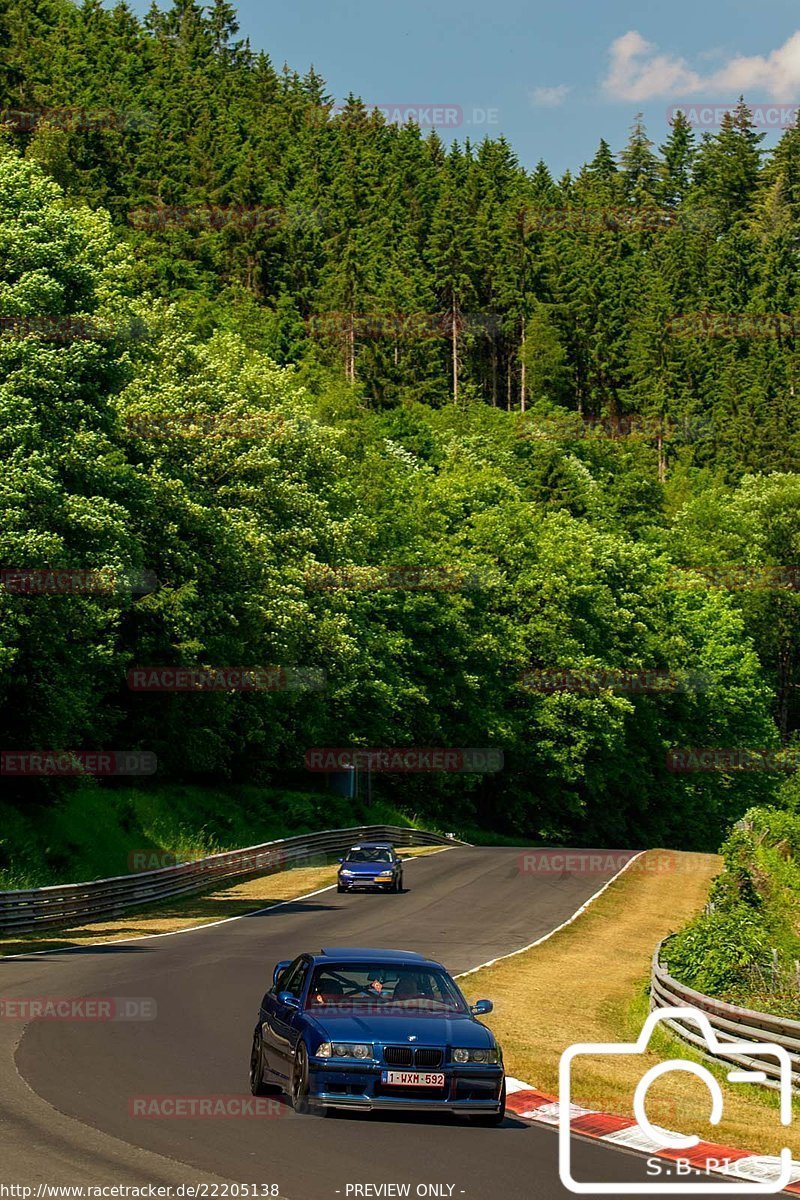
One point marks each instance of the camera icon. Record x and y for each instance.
(665, 1139)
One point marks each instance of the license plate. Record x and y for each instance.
(431, 1079)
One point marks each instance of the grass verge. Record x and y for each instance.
(234, 900)
(588, 984)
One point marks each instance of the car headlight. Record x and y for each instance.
(386, 875)
(343, 872)
(324, 1050)
(464, 1055)
(351, 1050)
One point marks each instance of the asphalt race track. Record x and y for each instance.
(463, 907)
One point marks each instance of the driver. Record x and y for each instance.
(413, 987)
(327, 991)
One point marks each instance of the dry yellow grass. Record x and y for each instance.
(231, 901)
(587, 984)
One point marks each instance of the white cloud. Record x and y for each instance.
(550, 97)
(777, 74)
(637, 71)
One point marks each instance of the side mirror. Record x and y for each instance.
(481, 1007)
(288, 999)
(279, 969)
(340, 860)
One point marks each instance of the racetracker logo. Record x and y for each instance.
(425, 116)
(737, 577)
(157, 426)
(728, 759)
(223, 216)
(711, 116)
(73, 118)
(603, 219)
(566, 426)
(24, 327)
(86, 1008)
(409, 326)
(600, 862)
(205, 1108)
(785, 326)
(594, 680)
(49, 581)
(242, 861)
(225, 679)
(407, 759)
(403, 578)
(77, 762)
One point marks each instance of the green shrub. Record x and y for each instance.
(718, 951)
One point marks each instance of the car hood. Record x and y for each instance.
(455, 1029)
(365, 868)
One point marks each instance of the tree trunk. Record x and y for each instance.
(250, 274)
(351, 348)
(662, 465)
(785, 654)
(522, 373)
(455, 350)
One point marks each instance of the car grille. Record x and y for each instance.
(398, 1056)
(407, 1056)
(428, 1058)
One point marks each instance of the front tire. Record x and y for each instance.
(495, 1118)
(298, 1086)
(257, 1085)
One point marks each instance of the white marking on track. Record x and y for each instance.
(563, 925)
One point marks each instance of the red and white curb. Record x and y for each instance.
(532, 1105)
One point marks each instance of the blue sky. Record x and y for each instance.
(553, 78)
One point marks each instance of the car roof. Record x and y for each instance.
(370, 954)
(372, 846)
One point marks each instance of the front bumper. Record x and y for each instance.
(366, 883)
(470, 1089)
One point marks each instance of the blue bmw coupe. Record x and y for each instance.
(375, 1029)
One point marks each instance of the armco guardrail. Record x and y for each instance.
(729, 1021)
(77, 903)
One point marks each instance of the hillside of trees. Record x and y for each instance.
(272, 351)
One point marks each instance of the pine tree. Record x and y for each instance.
(640, 167)
(784, 163)
(677, 154)
(543, 189)
(728, 165)
(348, 281)
(520, 271)
(451, 255)
(598, 182)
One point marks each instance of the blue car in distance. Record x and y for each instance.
(371, 865)
(375, 1029)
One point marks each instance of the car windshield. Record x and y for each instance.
(368, 854)
(385, 986)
